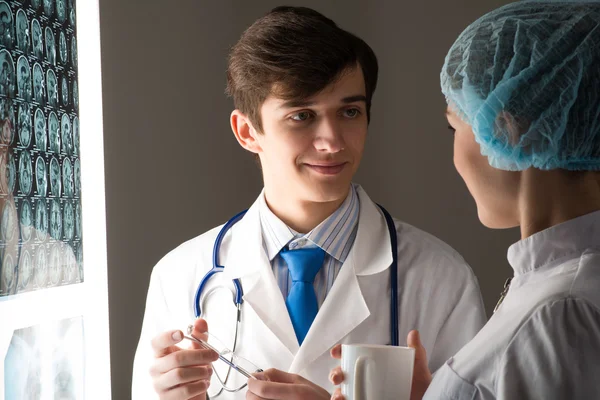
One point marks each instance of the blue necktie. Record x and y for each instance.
(302, 305)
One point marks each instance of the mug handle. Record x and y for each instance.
(360, 377)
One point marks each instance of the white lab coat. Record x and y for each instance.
(544, 340)
(437, 294)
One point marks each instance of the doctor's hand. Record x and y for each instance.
(421, 374)
(274, 384)
(181, 373)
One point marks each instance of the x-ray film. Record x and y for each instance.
(45, 305)
(46, 361)
(40, 170)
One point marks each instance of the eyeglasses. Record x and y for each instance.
(233, 367)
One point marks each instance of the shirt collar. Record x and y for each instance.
(332, 235)
(276, 234)
(550, 246)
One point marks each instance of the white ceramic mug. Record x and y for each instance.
(377, 372)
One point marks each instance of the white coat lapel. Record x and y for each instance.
(246, 259)
(343, 310)
(266, 300)
(374, 253)
(345, 307)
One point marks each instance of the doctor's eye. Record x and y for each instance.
(352, 112)
(452, 129)
(301, 116)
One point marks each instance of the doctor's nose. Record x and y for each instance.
(329, 138)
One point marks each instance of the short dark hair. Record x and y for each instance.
(301, 52)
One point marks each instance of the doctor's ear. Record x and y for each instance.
(244, 132)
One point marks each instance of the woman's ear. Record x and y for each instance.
(244, 132)
(513, 127)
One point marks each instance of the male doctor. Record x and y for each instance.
(313, 253)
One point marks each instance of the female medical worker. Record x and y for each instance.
(302, 88)
(523, 91)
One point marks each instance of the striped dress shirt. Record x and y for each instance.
(335, 235)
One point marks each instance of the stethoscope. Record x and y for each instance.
(239, 293)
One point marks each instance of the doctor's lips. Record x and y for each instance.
(326, 168)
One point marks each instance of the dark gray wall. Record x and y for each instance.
(174, 170)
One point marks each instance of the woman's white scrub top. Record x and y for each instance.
(544, 340)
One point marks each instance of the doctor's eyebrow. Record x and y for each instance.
(308, 103)
(354, 99)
